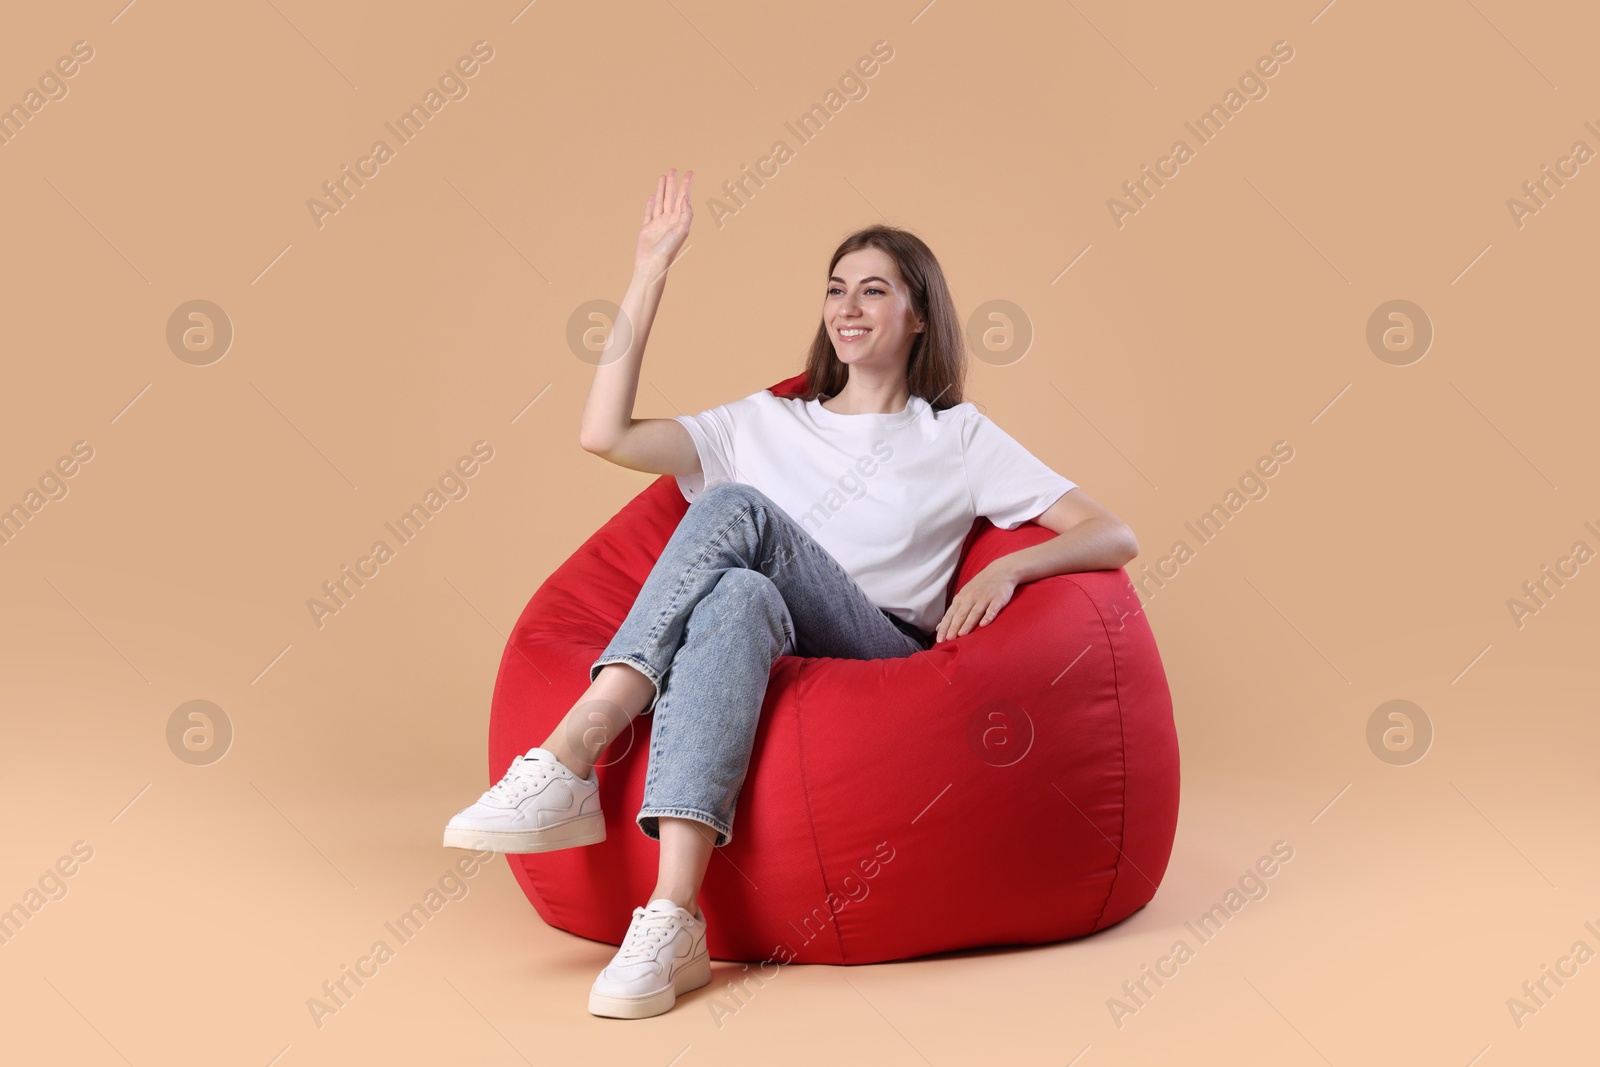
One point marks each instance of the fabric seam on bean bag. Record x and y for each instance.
(811, 818)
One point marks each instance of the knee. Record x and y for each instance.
(740, 585)
(742, 594)
(729, 495)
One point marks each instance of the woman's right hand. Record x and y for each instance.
(667, 215)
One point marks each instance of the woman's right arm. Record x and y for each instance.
(608, 428)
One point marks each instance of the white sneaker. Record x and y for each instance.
(539, 805)
(663, 955)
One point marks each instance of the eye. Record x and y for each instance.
(834, 289)
(873, 289)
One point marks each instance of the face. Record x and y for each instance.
(868, 310)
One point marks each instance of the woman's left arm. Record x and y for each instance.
(1088, 538)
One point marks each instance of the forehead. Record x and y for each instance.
(867, 262)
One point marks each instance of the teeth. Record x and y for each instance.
(851, 333)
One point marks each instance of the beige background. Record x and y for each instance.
(1229, 313)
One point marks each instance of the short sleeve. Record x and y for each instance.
(1009, 484)
(713, 433)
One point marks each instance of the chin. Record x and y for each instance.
(848, 354)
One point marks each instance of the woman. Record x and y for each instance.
(828, 524)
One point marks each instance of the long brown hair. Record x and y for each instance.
(937, 366)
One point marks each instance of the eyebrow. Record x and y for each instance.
(873, 278)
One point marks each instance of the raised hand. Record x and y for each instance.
(667, 215)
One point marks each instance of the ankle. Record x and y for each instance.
(580, 768)
(688, 902)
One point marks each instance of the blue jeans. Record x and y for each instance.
(738, 584)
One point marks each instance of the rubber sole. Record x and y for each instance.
(584, 830)
(692, 976)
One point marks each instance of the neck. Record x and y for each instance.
(864, 396)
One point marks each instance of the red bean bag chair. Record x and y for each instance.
(1015, 786)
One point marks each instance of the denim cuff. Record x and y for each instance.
(653, 831)
(635, 662)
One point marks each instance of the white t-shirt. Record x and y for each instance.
(890, 496)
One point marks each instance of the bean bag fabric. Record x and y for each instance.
(1018, 785)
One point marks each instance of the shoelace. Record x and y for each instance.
(649, 929)
(522, 774)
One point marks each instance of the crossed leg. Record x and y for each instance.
(604, 712)
(738, 584)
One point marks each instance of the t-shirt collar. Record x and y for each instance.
(868, 420)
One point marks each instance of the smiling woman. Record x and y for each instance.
(751, 574)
